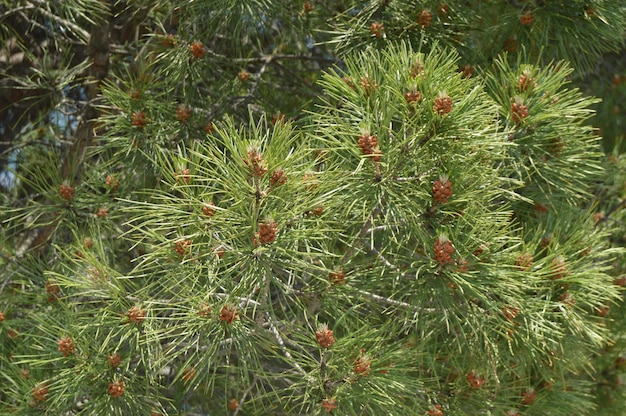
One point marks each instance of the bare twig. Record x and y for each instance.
(362, 233)
(245, 395)
(75, 28)
(384, 260)
(15, 10)
(246, 98)
(286, 353)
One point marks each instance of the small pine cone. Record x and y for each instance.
(368, 143)
(135, 95)
(278, 177)
(116, 389)
(475, 380)
(348, 82)
(317, 211)
(413, 97)
(88, 242)
(139, 120)
(255, 162)
(66, 191)
(2, 316)
(417, 69)
(524, 261)
(442, 189)
(168, 40)
(40, 393)
(558, 268)
(602, 311)
(204, 310)
(243, 75)
(367, 85)
(518, 110)
(329, 404)
(362, 365)
(182, 175)
(443, 9)
(183, 113)
(525, 82)
(339, 277)
(182, 247)
(467, 71)
(620, 281)
(197, 50)
(114, 360)
(424, 18)
(443, 104)
(136, 315)
(111, 182)
(443, 250)
(435, 411)
(480, 250)
(598, 217)
(377, 29)
(267, 232)
(208, 209)
(233, 404)
(526, 18)
(102, 212)
(229, 314)
(540, 208)
(510, 45)
(53, 290)
(279, 118)
(528, 396)
(66, 346)
(512, 412)
(324, 336)
(545, 241)
(307, 7)
(95, 275)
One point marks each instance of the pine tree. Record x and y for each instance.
(275, 207)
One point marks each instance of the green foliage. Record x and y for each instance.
(410, 238)
(578, 31)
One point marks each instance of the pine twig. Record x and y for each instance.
(286, 353)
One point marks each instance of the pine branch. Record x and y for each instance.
(41, 8)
